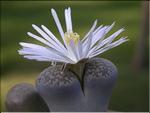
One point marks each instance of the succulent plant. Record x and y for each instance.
(23, 97)
(64, 91)
(60, 90)
(76, 81)
(99, 79)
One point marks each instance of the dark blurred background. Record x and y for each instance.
(131, 58)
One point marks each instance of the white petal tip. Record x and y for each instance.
(65, 10)
(96, 21)
(52, 11)
(42, 26)
(114, 22)
(122, 29)
(69, 8)
(21, 43)
(33, 25)
(126, 39)
(29, 34)
(20, 52)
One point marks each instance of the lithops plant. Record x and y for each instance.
(23, 97)
(60, 90)
(99, 78)
(76, 81)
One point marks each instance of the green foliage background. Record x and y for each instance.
(131, 92)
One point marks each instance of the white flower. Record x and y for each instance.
(73, 48)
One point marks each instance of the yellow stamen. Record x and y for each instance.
(72, 36)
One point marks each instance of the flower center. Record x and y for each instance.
(72, 36)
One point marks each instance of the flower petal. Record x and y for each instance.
(112, 37)
(88, 45)
(45, 36)
(100, 34)
(35, 49)
(43, 58)
(54, 38)
(56, 19)
(109, 46)
(46, 43)
(73, 49)
(92, 28)
(106, 41)
(68, 20)
(79, 49)
(97, 29)
(38, 38)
